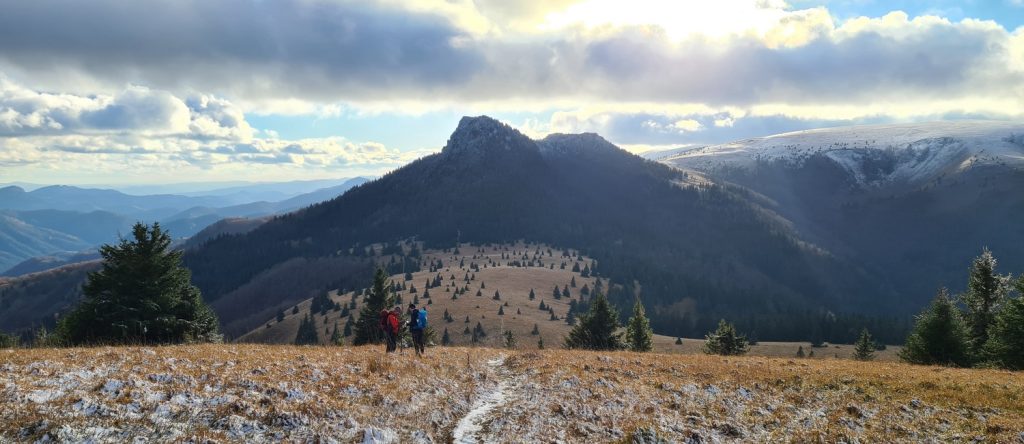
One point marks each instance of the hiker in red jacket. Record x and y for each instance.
(389, 326)
(393, 328)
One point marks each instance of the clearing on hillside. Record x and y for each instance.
(512, 271)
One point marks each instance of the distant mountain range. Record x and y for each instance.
(52, 222)
(817, 233)
(912, 202)
(693, 253)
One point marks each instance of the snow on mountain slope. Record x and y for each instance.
(874, 154)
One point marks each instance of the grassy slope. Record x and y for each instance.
(514, 284)
(259, 393)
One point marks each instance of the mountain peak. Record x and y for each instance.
(483, 134)
(582, 143)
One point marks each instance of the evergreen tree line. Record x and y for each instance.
(984, 326)
(598, 328)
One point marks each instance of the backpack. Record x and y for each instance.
(421, 321)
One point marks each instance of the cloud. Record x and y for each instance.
(645, 125)
(309, 56)
(151, 133)
(114, 84)
(135, 109)
(305, 49)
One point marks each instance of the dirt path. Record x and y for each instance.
(469, 429)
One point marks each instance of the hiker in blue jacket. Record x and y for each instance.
(417, 323)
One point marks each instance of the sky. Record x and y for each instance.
(170, 91)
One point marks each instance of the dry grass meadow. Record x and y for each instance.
(265, 393)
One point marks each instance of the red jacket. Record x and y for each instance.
(393, 323)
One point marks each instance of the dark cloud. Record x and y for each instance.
(933, 61)
(321, 51)
(271, 48)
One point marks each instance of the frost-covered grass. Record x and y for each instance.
(247, 393)
(588, 396)
(257, 393)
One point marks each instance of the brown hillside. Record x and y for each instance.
(513, 283)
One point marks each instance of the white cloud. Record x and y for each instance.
(687, 125)
(724, 122)
(150, 134)
(135, 109)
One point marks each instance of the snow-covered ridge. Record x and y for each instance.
(875, 154)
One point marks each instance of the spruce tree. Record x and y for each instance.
(367, 328)
(985, 292)
(532, 294)
(445, 339)
(307, 332)
(1005, 346)
(597, 328)
(501, 311)
(639, 336)
(142, 294)
(510, 339)
(348, 327)
(939, 337)
(864, 348)
(800, 352)
(535, 331)
(679, 341)
(336, 337)
(8, 341)
(725, 340)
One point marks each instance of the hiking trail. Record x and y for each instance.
(472, 424)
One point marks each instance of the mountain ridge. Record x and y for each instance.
(649, 232)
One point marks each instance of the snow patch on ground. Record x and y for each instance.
(470, 426)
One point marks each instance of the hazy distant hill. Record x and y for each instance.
(21, 240)
(62, 220)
